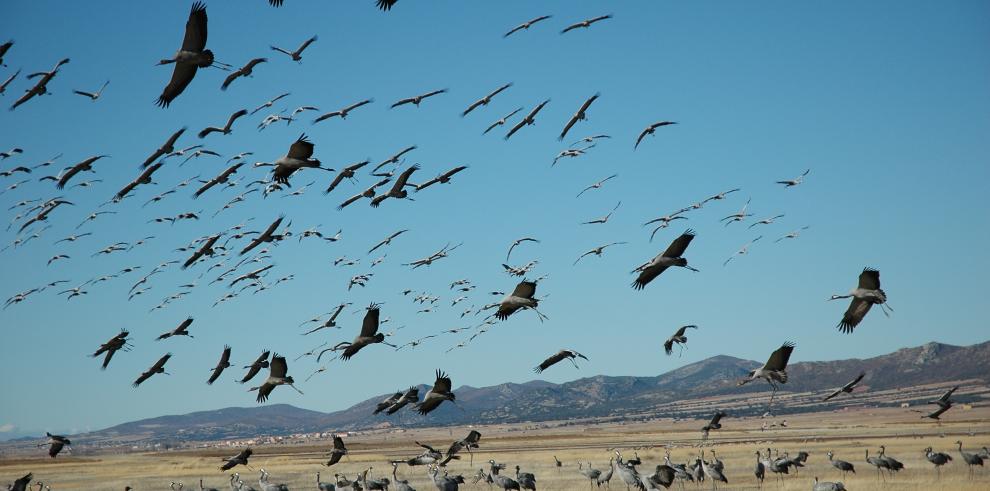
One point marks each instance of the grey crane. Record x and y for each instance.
(55, 444)
(270, 102)
(651, 130)
(759, 470)
(369, 335)
(14, 151)
(738, 216)
(265, 237)
(627, 474)
(713, 472)
(143, 178)
(158, 367)
(944, 400)
(662, 478)
(485, 100)
(792, 235)
(597, 185)
(417, 99)
(297, 54)
(893, 465)
(332, 321)
(678, 337)
(240, 459)
(5, 83)
(580, 115)
(530, 119)
(225, 129)
(337, 451)
(866, 294)
(400, 484)
(41, 86)
(794, 182)
(116, 343)
(714, 424)
(597, 251)
(526, 480)
(766, 221)
(93, 95)
(848, 388)
(672, 256)
(298, 157)
(585, 23)
(938, 459)
(256, 366)
(516, 243)
(841, 465)
(221, 178)
(324, 486)
(469, 443)
(222, 365)
(387, 402)
(167, 148)
(180, 330)
(345, 173)
(526, 25)
(394, 159)
(827, 486)
(429, 456)
(970, 459)
(21, 484)
(367, 193)
(503, 482)
(564, 354)
(387, 240)
(742, 251)
(774, 371)
(441, 391)
(443, 178)
(192, 56)
(501, 121)
(443, 483)
(604, 219)
(278, 370)
(207, 249)
(84, 166)
(411, 396)
(202, 488)
(244, 71)
(591, 474)
(522, 297)
(398, 190)
(343, 112)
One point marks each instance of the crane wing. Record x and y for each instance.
(778, 360)
(869, 279)
(679, 245)
(195, 37)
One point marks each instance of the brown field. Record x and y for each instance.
(847, 433)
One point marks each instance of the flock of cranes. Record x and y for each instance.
(255, 248)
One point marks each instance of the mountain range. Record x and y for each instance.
(712, 380)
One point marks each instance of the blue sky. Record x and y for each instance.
(885, 102)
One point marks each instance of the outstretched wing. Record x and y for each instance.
(679, 245)
(302, 149)
(778, 360)
(195, 37)
(525, 289)
(369, 326)
(869, 279)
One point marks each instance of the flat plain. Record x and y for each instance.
(847, 433)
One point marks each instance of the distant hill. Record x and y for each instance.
(591, 397)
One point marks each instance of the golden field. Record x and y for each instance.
(846, 433)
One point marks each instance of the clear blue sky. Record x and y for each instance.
(885, 102)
